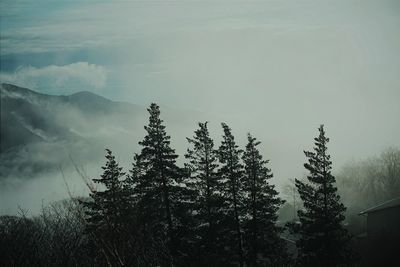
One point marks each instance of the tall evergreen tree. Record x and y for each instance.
(205, 183)
(159, 187)
(323, 240)
(106, 212)
(262, 203)
(231, 173)
(151, 247)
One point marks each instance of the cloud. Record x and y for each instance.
(75, 76)
(72, 26)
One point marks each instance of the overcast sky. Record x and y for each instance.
(275, 68)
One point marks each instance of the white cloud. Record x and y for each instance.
(79, 75)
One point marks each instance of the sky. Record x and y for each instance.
(278, 69)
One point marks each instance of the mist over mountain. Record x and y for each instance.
(43, 134)
(40, 132)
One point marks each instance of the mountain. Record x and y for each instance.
(41, 132)
(28, 117)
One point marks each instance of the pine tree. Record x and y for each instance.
(159, 184)
(151, 247)
(106, 212)
(323, 240)
(205, 183)
(262, 203)
(231, 173)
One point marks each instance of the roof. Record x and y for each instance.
(385, 205)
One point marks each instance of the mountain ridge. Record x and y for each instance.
(33, 124)
(38, 131)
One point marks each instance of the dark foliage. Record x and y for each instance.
(220, 210)
(107, 216)
(159, 195)
(232, 174)
(55, 238)
(205, 183)
(265, 247)
(323, 239)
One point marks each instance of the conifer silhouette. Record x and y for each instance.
(323, 239)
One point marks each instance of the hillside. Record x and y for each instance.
(39, 132)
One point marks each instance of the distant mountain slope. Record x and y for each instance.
(28, 117)
(39, 132)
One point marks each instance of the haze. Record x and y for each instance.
(275, 68)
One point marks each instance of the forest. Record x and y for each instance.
(219, 209)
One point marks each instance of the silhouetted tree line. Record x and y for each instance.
(218, 210)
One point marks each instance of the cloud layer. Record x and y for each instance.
(78, 76)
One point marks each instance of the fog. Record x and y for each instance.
(276, 69)
(70, 133)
